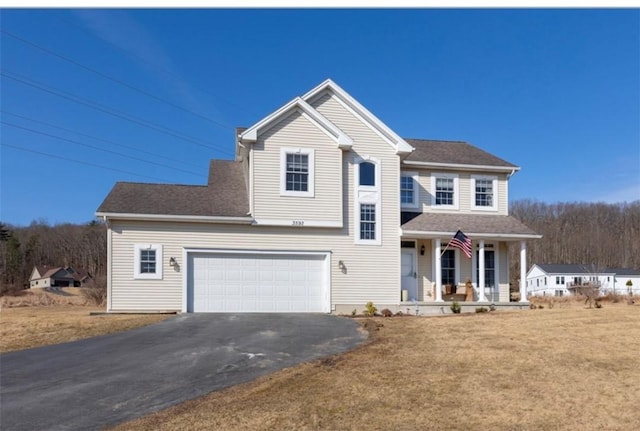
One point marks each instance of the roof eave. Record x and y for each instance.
(174, 218)
(463, 167)
(472, 235)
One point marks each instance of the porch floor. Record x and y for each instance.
(424, 308)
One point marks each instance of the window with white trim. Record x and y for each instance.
(297, 172)
(147, 261)
(444, 190)
(367, 208)
(409, 190)
(367, 221)
(483, 196)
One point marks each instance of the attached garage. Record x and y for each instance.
(257, 282)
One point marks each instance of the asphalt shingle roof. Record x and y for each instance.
(224, 196)
(573, 268)
(468, 223)
(454, 152)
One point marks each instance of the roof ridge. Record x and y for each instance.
(436, 140)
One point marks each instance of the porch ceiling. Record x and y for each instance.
(441, 225)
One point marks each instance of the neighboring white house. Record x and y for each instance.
(324, 209)
(562, 279)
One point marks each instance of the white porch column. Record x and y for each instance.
(481, 282)
(438, 256)
(523, 271)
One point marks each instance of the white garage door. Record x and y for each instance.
(230, 282)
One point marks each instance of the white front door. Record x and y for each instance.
(409, 273)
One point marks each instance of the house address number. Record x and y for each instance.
(297, 223)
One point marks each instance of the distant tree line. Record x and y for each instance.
(21, 248)
(597, 234)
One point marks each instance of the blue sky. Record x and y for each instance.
(152, 95)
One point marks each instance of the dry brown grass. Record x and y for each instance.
(37, 318)
(550, 369)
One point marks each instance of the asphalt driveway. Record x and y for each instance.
(101, 381)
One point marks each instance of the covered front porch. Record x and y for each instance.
(434, 273)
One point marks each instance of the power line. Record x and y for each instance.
(77, 161)
(96, 148)
(112, 79)
(105, 109)
(171, 159)
(160, 68)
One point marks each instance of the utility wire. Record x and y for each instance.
(3, 144)
(112, 79)
(96, 148)
(103, 108)
(157, 66)
(171, 159)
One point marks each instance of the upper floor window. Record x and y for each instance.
(367, 174)
(444, 188)
(408, 190)
(367, 221)
(297, 172)
(367, 201)
(484, 192)
(147, 261)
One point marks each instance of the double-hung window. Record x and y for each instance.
(297, 172)
(147, 261)
(367, 221)
(408, 190)
(484, 192)
(444, 190)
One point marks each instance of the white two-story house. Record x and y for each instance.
(324, 209)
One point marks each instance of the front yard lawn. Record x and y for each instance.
(565, 368)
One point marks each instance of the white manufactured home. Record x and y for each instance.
(567, 279)
(324, 209)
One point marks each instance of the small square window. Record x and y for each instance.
(148, 261)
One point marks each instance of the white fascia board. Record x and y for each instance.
(472, 235)
(178, 218)
(344, 142)
(399, 144)
(461, 167)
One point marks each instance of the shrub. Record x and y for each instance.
(481, 310)
(371, 309)
(97, 294)
(386, 312)
(455, 307)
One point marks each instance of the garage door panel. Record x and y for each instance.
(257, 283)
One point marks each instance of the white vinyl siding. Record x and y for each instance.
(322, 204)
(370, 273)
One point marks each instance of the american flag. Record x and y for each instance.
(462, 242)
